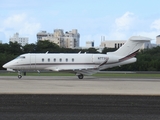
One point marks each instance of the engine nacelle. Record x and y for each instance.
(113, 59)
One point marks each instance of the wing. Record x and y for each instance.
(86, 70)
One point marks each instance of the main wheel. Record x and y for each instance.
(19, 76)
(80, 76)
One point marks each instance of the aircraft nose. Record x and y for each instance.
(5, 65)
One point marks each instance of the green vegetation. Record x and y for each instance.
(127, 75)
(38, 74)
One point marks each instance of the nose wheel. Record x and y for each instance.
(80, 76)
(19, 76)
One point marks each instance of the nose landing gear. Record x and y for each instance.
(20, 74)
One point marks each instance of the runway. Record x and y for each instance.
(79, 107)
(68, 98)
(73, 85)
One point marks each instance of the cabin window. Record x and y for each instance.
(48, 60)
(66, 59)
(60, 59)
(72, 59)
(42, 59)
(54, 59)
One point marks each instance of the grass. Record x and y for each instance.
(128, 75)
(38, 74)
(108, 75)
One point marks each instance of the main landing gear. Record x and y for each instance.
(80, 76)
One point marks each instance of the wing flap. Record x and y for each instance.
(86, 70)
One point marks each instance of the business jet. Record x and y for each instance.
(80, 64)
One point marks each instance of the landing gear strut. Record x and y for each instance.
(80, 76)
(19, 74)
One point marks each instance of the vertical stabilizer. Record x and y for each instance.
(131, 46)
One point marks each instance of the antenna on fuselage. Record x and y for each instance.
(79, 52)
(47, 52)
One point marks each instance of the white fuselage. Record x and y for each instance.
(57, 62)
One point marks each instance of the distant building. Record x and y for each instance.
(147, 45)
(112, 43)
(158, 40)
(41, 34)
(21, 40)
(1, 41)
(118, 43)
(67, 40)
(89, 44)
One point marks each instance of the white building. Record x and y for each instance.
(67, 40)
(89, 44)
(118, 43)
(112, 43)
(158, 40)
(21, 40)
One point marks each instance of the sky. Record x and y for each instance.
(113, 19)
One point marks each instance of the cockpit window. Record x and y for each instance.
(23, 57)
(20, 57)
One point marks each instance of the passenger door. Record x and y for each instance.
(33, 62)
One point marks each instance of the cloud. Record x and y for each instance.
(21, 23)
(118, 29)
(156, 25)
(124, 22)
(153, 31)
(122, 26)
(14, 19)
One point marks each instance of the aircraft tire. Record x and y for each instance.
(80, 76)
(19, 76)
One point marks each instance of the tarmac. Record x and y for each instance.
(69, 98)
(73, 85)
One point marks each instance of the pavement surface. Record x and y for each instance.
(73, 85)
(79, 107)
(68, 98)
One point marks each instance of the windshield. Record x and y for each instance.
(20, 57)
(23, 57)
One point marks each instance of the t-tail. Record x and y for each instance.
(125, 54)
(131, 47)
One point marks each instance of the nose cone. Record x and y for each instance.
(5, 65)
